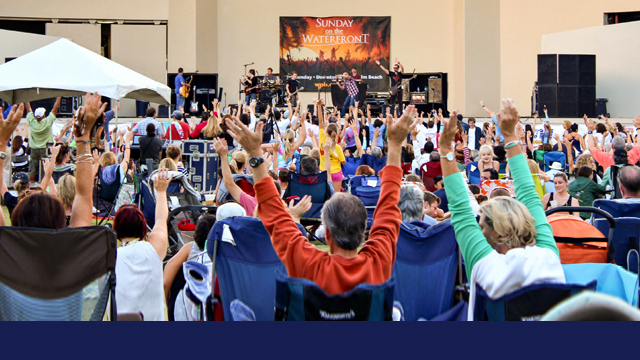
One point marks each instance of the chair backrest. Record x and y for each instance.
(611, 279)
(316, 186)
(614, 172)
(473, 173)
(303, 300)
(503, 168)
(529, 303)
(429, 171)
(19, 158)
(43, 272)
(367, 189)
(373, 162)
(425, 269)
(553, 156)
(108, 191)
(541, 190)
(350, 166)
(624, 238)
(245, 263)
(618, 209)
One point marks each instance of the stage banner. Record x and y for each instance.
(318, 49)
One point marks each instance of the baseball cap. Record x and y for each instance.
(39, 112)
(620, 152)
(286, 114)
(460, 117)
(20, 176)
(177, 114)
(229, 210)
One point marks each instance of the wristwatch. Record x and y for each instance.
(3, 155)
(450, 156)
(254, 162)
(590, 132)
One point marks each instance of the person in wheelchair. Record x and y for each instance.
(344, 216)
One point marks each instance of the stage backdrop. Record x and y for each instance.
(320, 48)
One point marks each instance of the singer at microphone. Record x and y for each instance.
(251, 87)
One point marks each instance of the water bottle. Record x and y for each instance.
(418, 88)
(608, 196)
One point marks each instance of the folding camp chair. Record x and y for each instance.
(106, 195)
(611, 279)
(367, 189)
(425, 269)
(617, 209)
(625, 239)
(303, 300)
(473, 173)
(578, 241)
(429, 171)
(529, 303)
(350, 166)
(190, 213)
(554, 156)
(503, 168)
(373, 162)
(244, 262)
(20, 159)
(54, 275)
(316, 186)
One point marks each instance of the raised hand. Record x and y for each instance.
(250, 140)
(8, 125)
(55, 150)
(163, 180)
(221, 147)
(508, 118)
(397, 131)
(88, 115)
(377, 62)
(298, 210)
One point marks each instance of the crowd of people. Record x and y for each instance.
(425, 168)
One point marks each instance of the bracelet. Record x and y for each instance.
(511, 144)
(82, 141)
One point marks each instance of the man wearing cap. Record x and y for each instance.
(555, 167)
(39, 135)
(179, 128)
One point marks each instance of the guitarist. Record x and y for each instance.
(292, 87)
(179, 83)
(396, 79)
(251, 83)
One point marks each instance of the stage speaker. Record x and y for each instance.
(547, 69)
(435, 90)
(568, 70)
(406, 94)
(587, 101)
(220, 96)
(548, 96)
(163, 111)
(66, 106)
(587, 69)
(568, 101)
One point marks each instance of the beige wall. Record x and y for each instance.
(522, 25)
(85, 35)
(15, 43)
(618, 74)
(206, 36)
(141, 48)
(181, 39)
(421, 34)
(482, 56)
(81, 9)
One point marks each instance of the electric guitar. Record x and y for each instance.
(394, 89)
(184, 91)
(194, 103)
(287, 96)
(247, 89)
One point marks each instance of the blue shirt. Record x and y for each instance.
(141, 127)
(372, 130)
(179, 81)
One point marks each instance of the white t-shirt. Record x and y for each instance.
(471, 141)
(139, 277)
(283, 124)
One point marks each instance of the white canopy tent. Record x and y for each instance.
(63, 68)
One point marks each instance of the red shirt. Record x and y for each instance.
(334, 273)
(175, 135)
(196, 132)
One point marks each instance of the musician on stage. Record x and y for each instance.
(355, 75)
(179, 83)
(271, 77)
(251, 82)
(350, 85)
(292, 87)
(396, 80)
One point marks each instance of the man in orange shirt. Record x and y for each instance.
(604, 158)
(344, 217)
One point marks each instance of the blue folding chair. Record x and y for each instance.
(473, 176)
(425, 269)
(373, 162)
(529, 303)
(503, 168)
(303, 300)
(367, 189)
(316, 186)
(618, 209)
(554, 156)
(245, 264)
(611, 279)
(624, 239)
(350, 166)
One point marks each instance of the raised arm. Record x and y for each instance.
(48, 172)
(56, 107)
(328, 147)
(159, 235)
(221, 147)
(6, 129)
(302, 135)
(127, 152)
(382, 67)
(83, 202)
(400, 65)
(486, 109)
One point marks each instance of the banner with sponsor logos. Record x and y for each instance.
(318, 49)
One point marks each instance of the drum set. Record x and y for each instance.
(269, 90)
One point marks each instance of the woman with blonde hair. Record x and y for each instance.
(212, 129)
(486, 159)
(512, 246)
(238, 162)
(167, 163)
(336, 155)
(587, 160)
(66, 190)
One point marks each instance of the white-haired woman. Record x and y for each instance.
(513, 245)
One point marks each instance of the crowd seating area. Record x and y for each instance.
(400, 216)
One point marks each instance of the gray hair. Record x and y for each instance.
(617, 142)
(377, 152)
(628, 147)
(411, 203)
(607, 147)
(345, 219)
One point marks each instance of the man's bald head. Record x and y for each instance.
(630, 181)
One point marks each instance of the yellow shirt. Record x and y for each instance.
(336, 156)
